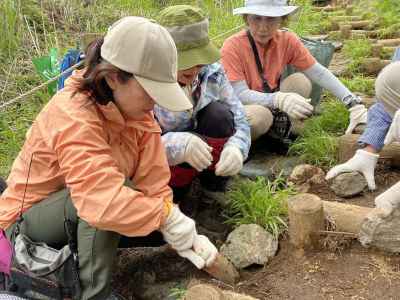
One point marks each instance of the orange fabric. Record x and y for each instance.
(285, 48)
(91, 149)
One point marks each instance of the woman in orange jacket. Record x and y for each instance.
(94, 155)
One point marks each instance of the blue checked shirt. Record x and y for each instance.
(214, 86)
(378, 121)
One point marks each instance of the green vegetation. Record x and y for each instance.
(361, 84)
(259, 202)
(317, 145)
(177, 293)
(357, 50)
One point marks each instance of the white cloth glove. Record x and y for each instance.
(179, 230)
(198, 153)
(295, 105)
(389, 200)
(363, 162)
(230, 162)
(393, 134)
(203, 253)
(358, 115)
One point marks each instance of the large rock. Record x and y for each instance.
(269, 166)
(381, 232)
(210, 292)
(348, 184)
(249, 244)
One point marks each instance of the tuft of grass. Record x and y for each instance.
(357, 50)
(318, 144)
(177, 293)
(259, 202)
(360, 83)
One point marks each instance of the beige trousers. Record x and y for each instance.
(260, 118)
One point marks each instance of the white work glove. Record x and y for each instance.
(358, 115)
(363, 162)
(393, 134)
(203, 253)
(179, 230)
(198, 153)
(296, 106)
(230, 162)
(389, 200)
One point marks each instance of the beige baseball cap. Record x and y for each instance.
(144, 48)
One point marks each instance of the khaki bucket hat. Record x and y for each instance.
(144, 48)
(188, 26)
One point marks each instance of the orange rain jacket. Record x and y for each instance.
(91, 149)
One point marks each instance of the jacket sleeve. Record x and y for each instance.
(241, 138)
(96, 184)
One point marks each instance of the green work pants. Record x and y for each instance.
(44, 222)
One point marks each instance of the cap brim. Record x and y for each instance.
(205, 55)
(166, 94)
(266, 11)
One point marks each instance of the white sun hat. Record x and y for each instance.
(267, 8)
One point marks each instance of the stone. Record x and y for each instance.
(348, 184)
(249, 244)
(305, 173)
(269, 165)
(381, 232)
(210, 292)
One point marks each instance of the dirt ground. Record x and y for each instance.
(339, 269)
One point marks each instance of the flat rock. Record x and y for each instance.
(249, 244)
(381, 232)
(348, 184)
(210, 292)
(269, 166)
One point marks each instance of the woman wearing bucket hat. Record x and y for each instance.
(94, 155)
(383, 128)
(254, 60)
(380, 116)
(212, 140)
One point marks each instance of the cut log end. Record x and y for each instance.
(306, 217)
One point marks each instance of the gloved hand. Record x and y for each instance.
(198, 153)
(230, 161)
(203, 253)
(358, 115)
(179, 230)
(363, 162)
(393, 134)
(296, 106)
(389, 200)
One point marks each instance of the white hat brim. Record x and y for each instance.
(266, 11)
(166, 94)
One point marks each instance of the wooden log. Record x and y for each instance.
(345, 31)
(345, 18)
(376, 50)
(357, 24)
(306, 217)
(346, 217)
(222, 269)
(373, 65)
(389, 42)
(347, 146)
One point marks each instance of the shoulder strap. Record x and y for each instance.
(266, 87)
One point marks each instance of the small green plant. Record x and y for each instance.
(357, 50)
(318, 144)
(259, 202)
(361, 84)
(177, 292)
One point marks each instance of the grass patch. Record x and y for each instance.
(259, 202)
(318, 143)
(357, 50)
(361, 84)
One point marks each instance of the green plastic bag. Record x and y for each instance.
(323, 53)
(47, 67)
